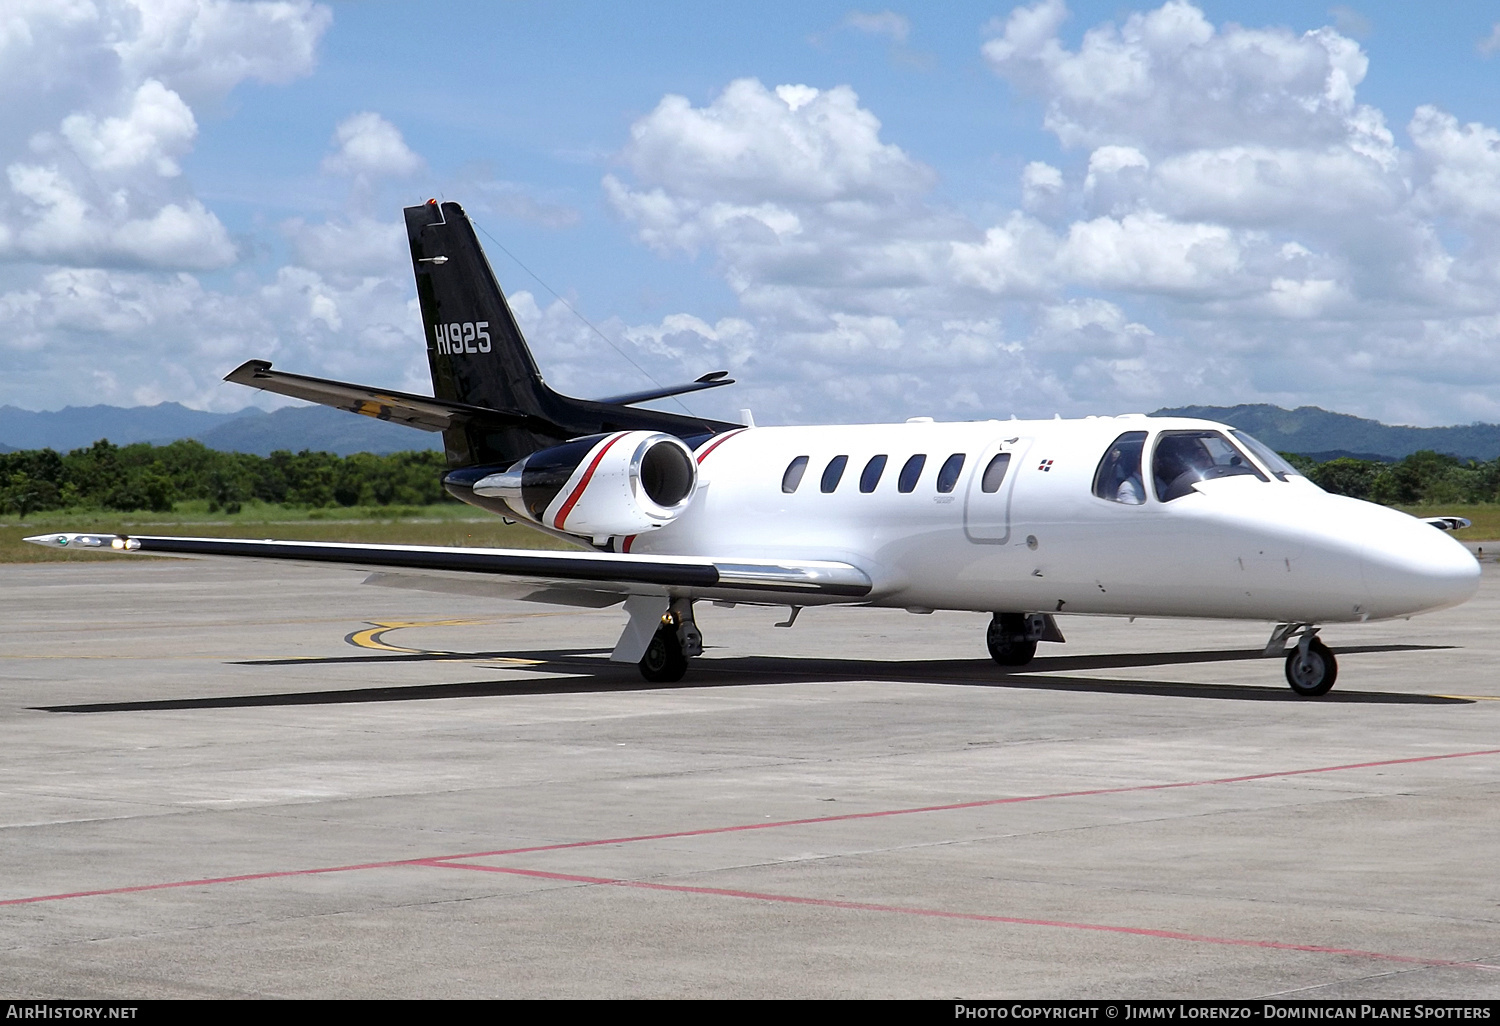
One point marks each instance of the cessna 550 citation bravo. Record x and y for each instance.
(1120, 516)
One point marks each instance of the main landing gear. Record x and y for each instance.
(1311, 668)
(1012, 637)
(675, 641)
(664, 661)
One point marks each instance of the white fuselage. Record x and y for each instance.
(1252, 547)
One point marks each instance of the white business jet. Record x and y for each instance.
(1117, 516)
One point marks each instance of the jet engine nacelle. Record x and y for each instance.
(624, 482)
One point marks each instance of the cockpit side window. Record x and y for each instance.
(1183, 458)
(1118, 478)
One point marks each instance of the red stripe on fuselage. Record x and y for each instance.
(716, 443)
(567, 507)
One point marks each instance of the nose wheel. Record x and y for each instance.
(1311, 668)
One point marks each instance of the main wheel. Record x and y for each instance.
(1313, 674)
(664, 662)
(1006, 638)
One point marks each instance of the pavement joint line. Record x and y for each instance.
(738, 828)
(935, 913)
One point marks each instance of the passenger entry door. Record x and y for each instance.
(987, 514)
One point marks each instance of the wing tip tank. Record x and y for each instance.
(73, 540)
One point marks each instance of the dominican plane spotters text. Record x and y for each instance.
(1120, 516)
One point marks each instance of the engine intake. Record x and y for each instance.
(624, 482)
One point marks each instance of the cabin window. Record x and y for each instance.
(910, 472)
(793, 476)
(948, 473)
(994, 473)
(1118, 478)
(833, 472)
(1268, 457)
(1183, 458)
(871, 475)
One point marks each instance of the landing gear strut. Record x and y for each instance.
(1311, 668)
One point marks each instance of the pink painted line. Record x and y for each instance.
(956, 806)
(976, 917)
(811, 821)
(212, 880)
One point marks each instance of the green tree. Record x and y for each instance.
(1345, 476)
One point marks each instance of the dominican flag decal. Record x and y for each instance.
(1046, 465)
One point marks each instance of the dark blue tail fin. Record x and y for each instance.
(479, 358)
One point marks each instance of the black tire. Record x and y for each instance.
(1315, 675)
(664, 662)
(1006, 638)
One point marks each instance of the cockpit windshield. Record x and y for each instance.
(1267, 456)
(1183, 458)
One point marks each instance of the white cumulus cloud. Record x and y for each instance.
(99, 114)
(1230, 224)
(369, 145)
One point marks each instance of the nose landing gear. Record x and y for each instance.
(1311, 668)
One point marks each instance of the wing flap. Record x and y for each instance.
(610, 571)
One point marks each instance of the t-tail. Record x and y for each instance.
(479, 357)
(489, 399)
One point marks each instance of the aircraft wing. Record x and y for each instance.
(569, 578)
(418, 411)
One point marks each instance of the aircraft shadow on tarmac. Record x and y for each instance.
(589, 671)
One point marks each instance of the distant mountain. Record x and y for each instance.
(76, 426)
(319, 428)
(1316, 432)
(249, 430)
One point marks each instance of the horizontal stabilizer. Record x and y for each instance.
(416, 411)
(714, 379)
(1449, 523)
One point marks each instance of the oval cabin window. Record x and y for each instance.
(911, 472)
(948, 473)
(793, 476)
(834, 472)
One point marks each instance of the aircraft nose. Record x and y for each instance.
(1414, 567)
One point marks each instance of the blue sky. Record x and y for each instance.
(972, 211)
